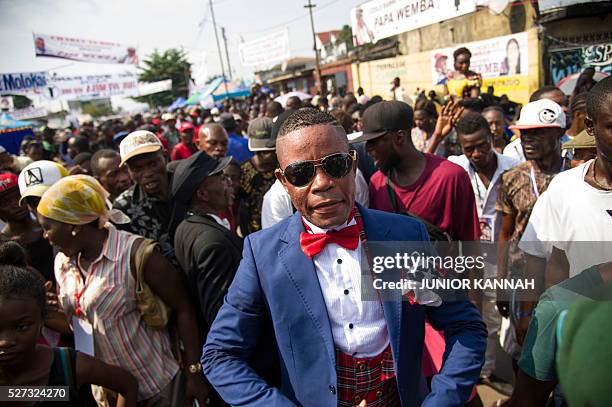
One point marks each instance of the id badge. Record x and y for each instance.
(487, 228)
(83, 335)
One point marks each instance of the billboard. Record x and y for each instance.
(378, 19)
(267, 50)
(78, 49)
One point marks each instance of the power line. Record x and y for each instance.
(293, 20)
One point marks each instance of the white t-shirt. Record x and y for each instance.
(574, 217)
(277, 205)
(515, 150)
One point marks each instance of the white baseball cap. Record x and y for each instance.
(540, 114)
(38, 176)
(137, 143)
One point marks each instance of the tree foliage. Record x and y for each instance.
(169, 64)
(346, 35)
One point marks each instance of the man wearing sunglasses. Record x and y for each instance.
(304, 276)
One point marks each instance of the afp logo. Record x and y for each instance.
(547, 116)
(33, 176)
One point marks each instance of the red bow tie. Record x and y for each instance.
(313, 243)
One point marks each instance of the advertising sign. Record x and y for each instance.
(78, 49)
(88, 87)
(379, 19)
(24, 82)
(266, 50)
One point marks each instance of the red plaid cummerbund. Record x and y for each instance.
(372, 379)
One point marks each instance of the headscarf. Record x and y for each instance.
(79, 200)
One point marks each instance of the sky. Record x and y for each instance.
(158, 24)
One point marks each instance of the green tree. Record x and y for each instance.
(169, 64)
(346, 35)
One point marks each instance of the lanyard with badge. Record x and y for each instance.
(83, 331)
(532, 178)
(485, 222)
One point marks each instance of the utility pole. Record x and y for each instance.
(212, 13)
(310, 6)
(229, 67)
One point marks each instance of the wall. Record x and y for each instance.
(415, 71)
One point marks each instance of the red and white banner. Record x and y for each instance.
(78, 49)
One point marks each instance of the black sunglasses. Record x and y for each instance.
(336, 165)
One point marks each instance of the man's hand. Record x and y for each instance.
(448, 118)
(52, 302)
(196, 388)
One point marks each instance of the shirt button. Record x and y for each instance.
(350, 326)
(332, 389)
(346, 292)
(357, 399)
(362, 367)
(339, 261)
(379, 393)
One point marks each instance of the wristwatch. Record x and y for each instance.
(194, 368)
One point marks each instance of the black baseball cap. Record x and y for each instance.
(383, 117)
(191, 172)
(278, 122)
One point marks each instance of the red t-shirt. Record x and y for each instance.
(444, 197)
(181, 151)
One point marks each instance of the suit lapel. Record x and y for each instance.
(302, 273)
(206, 220)
(377, 231)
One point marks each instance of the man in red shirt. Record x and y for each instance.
(428, 186)
(425, 185)
(186, 147)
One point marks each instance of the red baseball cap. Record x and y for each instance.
(156, 121)
(185, 126)
(8, 180)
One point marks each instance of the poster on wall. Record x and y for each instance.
(378, 19)
(566, 65)
(78, 49)
(503, 63)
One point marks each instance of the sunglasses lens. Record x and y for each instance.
(299, 174)
(337, 165)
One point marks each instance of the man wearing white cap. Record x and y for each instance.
(542, 125)
(36, 178)
(146, 202)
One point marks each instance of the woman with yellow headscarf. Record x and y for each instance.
(96, 276)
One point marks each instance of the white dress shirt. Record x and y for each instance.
(358, 327)
(223, 222)
(515, 150)
(277, 205)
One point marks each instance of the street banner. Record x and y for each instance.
(24, 82)
(88, 87)
(154, 87)
(78, 49)
(267, 50)
(378, 19)
(29, 113)
(502, 61)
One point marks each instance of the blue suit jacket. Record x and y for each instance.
(276, 280)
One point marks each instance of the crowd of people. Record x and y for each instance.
(217, 254)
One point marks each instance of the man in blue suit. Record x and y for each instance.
(305, 275)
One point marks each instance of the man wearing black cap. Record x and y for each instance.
(209, 252)
(204, 246)
(257, 174)
(237, 145)
(427, 186)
